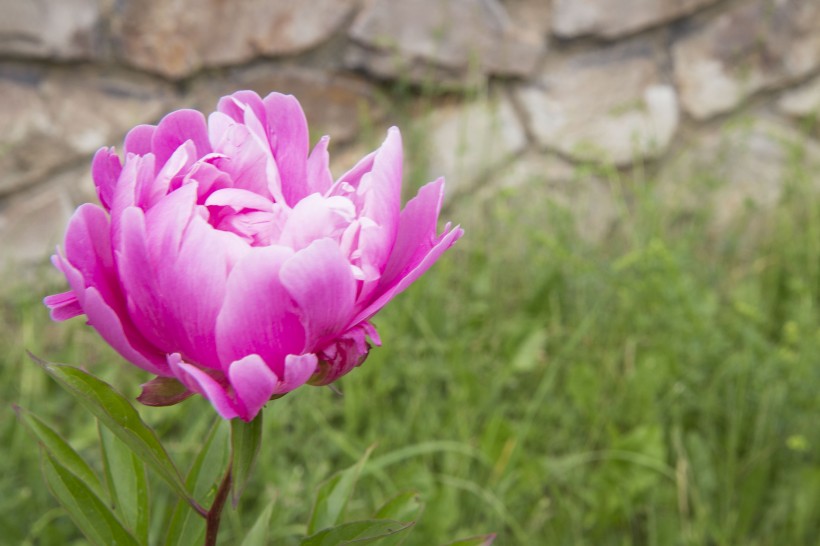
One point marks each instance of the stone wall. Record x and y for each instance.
(514, 91)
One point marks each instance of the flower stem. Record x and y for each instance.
(215, 513)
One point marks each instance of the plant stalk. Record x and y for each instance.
(215, 513)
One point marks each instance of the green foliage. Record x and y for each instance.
(658, 387)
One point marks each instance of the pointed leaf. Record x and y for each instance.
(358, 532)
(483, 540)
(258, 535)
(119, 416)
(406, 507)
(187, 527)
(163, 391)
(246, 438)
(88, 512)
(332, 496)
(60, 450)
(127, 483)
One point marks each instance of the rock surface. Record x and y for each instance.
(55, 118)
(756, 45)
(178, 37)
(465, 143)
(615, 18)
(609, 105)
(804, 101)
(398, 39)
(67, 29)
(742, 167)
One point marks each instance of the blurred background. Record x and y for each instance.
(622, 350)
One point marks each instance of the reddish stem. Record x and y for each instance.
(215, 513)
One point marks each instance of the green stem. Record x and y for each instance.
(215, 513)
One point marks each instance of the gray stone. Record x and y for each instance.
(616, 18)
(178, 37)
(33, 223)
(459, 37)
(58, 117)
(338, 105)
(543, 191)
(738, 168)
(803, 101)
(466, 142)
(759, 44)
(609, 106)
(67, 29)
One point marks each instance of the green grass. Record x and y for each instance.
(659, 387)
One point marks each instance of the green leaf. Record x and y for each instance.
(60, 450)
(258, 535)
(127, 483)
(246, 438)
(187, 527)
(119, 416)
(87, 511)
(358, 532)
(405, 507)
(483, 540)
(332, 496)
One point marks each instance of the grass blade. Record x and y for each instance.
(258, 535)
(246, 438)
(332, 496)
(358, 532)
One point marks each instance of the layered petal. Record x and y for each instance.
(177, 128)
(320, 282)
(258, 315)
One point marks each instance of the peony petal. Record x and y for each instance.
(319, 179)
(316, 217)
(298, 369)
(417, 231)
(321, 283)
(175, 129)
(257, 316)
(385, 293)
(138, 140)
(63, 306)
(106, 168)
(234, 105)
(288, 134)
(253, 384)
(239, 199)
(200, 382)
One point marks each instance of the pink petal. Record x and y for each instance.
(257, 315)
(321, 283)
(385, 293)
(316, 217)
(138, 140)
(417, 231)
(175, 129)
(288, 133)
(105, 170)
(319, 179)
(298, 369)
(234, 105)
(200, 382)
(63, 306)
(253, 384)
(239, 199)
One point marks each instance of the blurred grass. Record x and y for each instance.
(658, 387)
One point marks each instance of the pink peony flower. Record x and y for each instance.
(226, 257)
